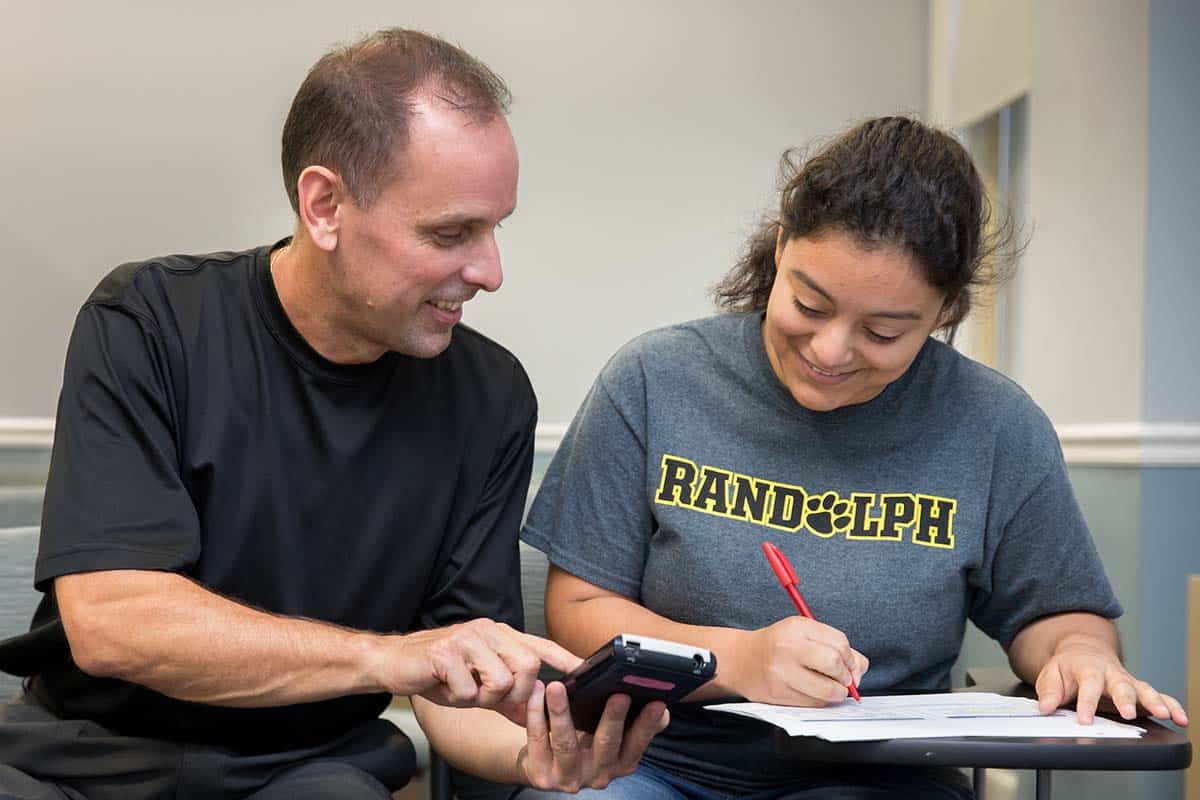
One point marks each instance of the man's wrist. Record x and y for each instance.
(378, 657)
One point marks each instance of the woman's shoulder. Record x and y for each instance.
(687, 342)
(974, 382)
(968, 387)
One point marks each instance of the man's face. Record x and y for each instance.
(405, 265)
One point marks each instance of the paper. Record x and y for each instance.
(921, 716)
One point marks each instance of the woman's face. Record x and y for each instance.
(843, 322)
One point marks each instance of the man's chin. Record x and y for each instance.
(428, 346)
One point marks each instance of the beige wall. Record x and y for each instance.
(649, 134)
(1077, 338)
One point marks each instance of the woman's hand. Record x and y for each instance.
(559, 758)
(797, 662)
(1087, 670)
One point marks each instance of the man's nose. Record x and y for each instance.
(484, 269)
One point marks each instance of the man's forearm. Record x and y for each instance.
(163, 631)
(1039, 640)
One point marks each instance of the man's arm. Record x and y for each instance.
(1078, 656)
(165, 632)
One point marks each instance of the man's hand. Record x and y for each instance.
(559, 758)
(478, 663)
(798, 662)
(1087, 670)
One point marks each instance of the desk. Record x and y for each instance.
(1159, 749)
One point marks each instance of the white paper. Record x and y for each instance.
(921, 716)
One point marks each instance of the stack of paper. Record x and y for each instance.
(921, 716)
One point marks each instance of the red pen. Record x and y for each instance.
(791, 584)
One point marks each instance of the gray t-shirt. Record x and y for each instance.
(943, 498)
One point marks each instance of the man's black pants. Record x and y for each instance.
(43, 757)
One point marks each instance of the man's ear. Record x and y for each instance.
(321, 194)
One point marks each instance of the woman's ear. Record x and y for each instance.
(321, 195)
(779, 245)
(954, 308)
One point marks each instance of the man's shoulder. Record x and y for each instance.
(485, 358)
(140, 286)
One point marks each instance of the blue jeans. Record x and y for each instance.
(652, 783)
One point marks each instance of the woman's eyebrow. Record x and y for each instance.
(804, 278)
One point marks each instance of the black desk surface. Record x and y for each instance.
(1160, 748)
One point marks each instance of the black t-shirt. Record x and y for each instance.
(199, 433)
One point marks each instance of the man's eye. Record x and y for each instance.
(449, 236)
(806, 310)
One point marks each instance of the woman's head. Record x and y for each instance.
(880, 239)
(887, 182)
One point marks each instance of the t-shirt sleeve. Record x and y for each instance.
(591, 517)
(482, 577)
(1044, 560)
(114, 497)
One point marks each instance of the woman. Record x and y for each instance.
(910, 487)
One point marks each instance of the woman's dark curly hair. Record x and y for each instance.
(889, 182)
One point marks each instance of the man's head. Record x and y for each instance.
(354, 111)
(400, 165)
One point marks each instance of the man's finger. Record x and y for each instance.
(458, 686)
(495, 679)
(537, 731)
(606, 742)
(551, 653)
(564, 744)
(521, 662)
(652, 720)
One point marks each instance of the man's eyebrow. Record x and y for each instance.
(804, 278)
(462, 219)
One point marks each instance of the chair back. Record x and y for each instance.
(18, 599)
(534, 566)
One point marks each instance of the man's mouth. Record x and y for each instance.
(447, 305)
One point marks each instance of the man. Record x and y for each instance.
(286, 485)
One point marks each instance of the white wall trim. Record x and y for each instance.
(26, 432)
(549, 435)
(1147, 444)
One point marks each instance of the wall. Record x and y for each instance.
(1170, 513)
(649, 136)
(1102, 314)
(1078, 349)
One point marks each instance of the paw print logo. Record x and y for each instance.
(827, 514)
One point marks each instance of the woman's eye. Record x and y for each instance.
(878, 337)
(806, 310)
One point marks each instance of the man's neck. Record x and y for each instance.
(302, 275)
